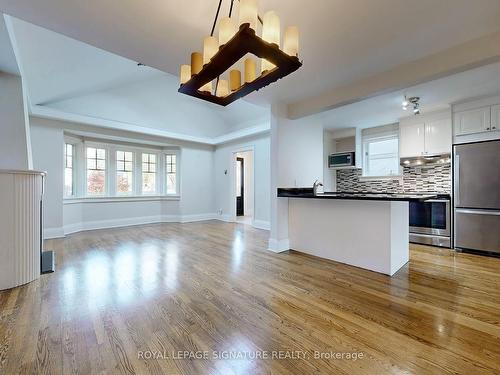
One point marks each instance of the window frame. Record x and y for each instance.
(87, 145)
(116, 170)
(175, 153)
(73, 169)
(366, 141)
(157, 158)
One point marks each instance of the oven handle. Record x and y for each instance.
(436, 200)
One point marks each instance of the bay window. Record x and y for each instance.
(102, 171)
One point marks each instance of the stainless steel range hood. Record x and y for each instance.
(425, 160)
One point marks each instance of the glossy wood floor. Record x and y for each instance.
(214, 286)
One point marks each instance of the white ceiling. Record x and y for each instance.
(435, 95)
(8, 62)
(74, 77)
(342, 40)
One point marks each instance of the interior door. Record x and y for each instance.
(240, 186)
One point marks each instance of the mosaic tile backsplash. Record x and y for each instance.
(436, 179)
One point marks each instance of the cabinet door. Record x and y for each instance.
(472, 121)
(495, 117)
(411, 140)
(438, 136)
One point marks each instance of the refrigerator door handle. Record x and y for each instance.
(457, 180)
(477, 212)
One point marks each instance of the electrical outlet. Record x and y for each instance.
(220, 211)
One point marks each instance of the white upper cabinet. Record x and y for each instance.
(411, 139)
(425, 135)
(472, 121)
(495, 117)
(438, 136)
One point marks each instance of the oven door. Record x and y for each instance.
(430, 217)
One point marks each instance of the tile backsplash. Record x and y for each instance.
(435, 179)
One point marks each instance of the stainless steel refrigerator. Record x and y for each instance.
(477, 196)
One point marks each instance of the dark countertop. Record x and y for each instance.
(308, 193)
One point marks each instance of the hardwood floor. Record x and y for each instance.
(120, 294)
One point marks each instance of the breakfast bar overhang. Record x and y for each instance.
(366, 230)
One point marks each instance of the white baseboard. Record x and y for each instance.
(49, 233)
(279, 246)
(261, 224)
(116, 223)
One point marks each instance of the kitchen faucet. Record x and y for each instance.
(315, 186)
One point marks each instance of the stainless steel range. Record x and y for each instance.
(430, 221)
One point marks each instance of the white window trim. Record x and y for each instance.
(80, 194)
(365, 141)
(73, 170)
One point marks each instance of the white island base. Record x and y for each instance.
(367, 234)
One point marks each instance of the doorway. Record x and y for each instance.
(240, 186)
(243, 183)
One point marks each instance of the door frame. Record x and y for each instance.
(232, 183)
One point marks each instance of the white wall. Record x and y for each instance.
(47, 147)
(15, 148)
(296, 161)
(196, 184)
(224, 196)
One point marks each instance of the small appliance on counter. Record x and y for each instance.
(430, 221)
(477, 196)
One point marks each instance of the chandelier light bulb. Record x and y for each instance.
(271, 28)
(196, 63)
(291, 42)
(248, 13)
(222, 88)
(250, 70)
(210, 48)
(185, 73)
(227, 29)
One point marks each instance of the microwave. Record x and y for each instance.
(341, 159)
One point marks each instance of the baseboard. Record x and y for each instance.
(49, 233)
(261, 224)
(225, 217)
(117, 223)
(279, 246)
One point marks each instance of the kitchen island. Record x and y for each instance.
(367, 230)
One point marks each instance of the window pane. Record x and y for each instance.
(69, 161)
(120, 155)
(171, 183)
(101, 153)
(68, 182)
(145, 158)
(144, 167)
(128, 166)
(152, 158)
(124, 182)
(101, 164)
(382, 157)
(152, 167)
(96, 182)
(148, 182)
(91, 164)
(128, 156)
(91, 152)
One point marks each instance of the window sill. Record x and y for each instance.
(381, 178)
(141, 198)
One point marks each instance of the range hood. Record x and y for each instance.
(425, 160)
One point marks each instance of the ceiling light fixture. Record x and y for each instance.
(413, 101)
(223, 53)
